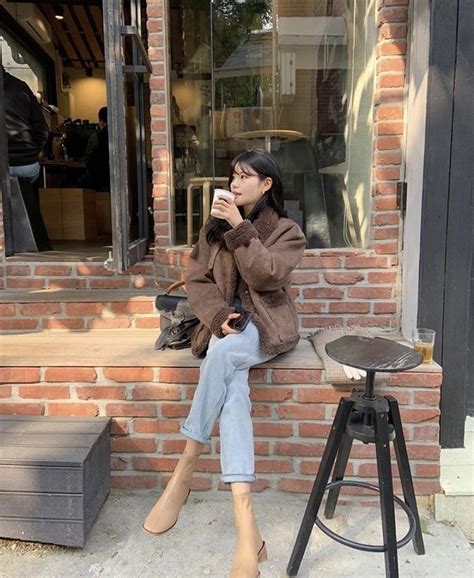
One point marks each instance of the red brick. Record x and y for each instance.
(385, 204)
(120, 427)
(258, 375)
(394, 30)
(388, 128)
(5, 391)
(173, 446)
(420, 414)
(133, 445)
(310, 307)
(429, 432)
(18, 270)
(301, 411)
(430, 397)
(147, 392)
(323, 293)
(387, 173)
(175, 409)
(315, 430)
(73, 409)
(301, 278)
(108, 323)
(273, 466)
(313, 262)
(63, 323)
(211, 465)
(260, 410)
(294, 485)
(320, 395)
(389, 15)
(388, 142)
(298, 449)
(296, 376)
(343, 278)
(21, 409)
(132, 307)
(7, 309)
(386, 218)
(409, 379)
(349, 307)
(130, 409)
(44, 392)
(17, 324)
(52, 270)
(118, 463)
(28, 283)
(427, 470)
(147, 322)
(384, 308)
(388, 277)
(270, 429)
(389, 112)
(366, 262)
(270, 393)
(101, 392)
(391, 81)
(386, 248)
(369, 321)
(74, 374)
(392, 48)
(19, 374)
(59, 283)
(369, 293)
(128, 374)
(179, 375)
(423, 452)
(154, 464)
(155, 426)
(83, 308)
(93, 271)
(134, 482)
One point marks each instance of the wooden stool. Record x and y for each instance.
(369, 418)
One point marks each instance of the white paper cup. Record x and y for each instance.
(221, 194)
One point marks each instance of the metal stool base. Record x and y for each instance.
(359, 545)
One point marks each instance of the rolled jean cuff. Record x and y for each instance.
(231, 478)
(193, 436)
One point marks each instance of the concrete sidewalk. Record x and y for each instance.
(202, 542)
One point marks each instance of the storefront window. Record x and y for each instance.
(20, 63)
(295, 78)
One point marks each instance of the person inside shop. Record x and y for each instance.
(97, 175)
(27, 134)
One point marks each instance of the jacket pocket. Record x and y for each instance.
(274, 298)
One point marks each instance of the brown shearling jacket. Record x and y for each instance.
(264, 253)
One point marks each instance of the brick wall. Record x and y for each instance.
(292, 413)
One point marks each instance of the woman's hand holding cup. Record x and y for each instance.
(224, 207)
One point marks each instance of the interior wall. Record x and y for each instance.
(86, 95)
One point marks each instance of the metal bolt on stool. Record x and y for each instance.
(369, 418)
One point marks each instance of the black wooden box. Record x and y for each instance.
(54, 477)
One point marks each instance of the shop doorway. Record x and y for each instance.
(94, 203)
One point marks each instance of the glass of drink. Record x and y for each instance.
(423, 342)
(220, 194)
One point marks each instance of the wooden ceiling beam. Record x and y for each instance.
(97, 49)
(72, 53)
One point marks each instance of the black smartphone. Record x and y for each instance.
(240, 323)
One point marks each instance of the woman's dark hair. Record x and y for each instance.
(264, 165)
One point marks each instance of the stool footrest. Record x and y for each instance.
(358, 545)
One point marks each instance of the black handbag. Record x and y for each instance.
(177, 321)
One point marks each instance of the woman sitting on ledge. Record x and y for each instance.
(242, 262)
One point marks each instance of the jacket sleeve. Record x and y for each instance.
(38, 123)
(204, 297)
(265, 268)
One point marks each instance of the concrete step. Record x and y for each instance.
(78, 310)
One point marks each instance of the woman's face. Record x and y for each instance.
(248, 187)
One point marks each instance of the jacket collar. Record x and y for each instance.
(265, 223)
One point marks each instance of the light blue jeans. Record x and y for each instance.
(223, 391)
(26, 171)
